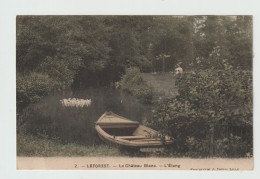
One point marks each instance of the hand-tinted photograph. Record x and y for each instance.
(134, 92)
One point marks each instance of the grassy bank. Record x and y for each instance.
(31, 146)
(28, 146)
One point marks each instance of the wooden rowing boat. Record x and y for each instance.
(123, 132)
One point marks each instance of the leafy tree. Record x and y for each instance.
(231, 36)
(128, 42)
(171, 37)
(240, 42)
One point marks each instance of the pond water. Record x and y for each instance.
(109, 99)
(77, 124)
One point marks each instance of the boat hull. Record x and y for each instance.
(135, 135)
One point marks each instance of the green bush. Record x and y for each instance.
(53, 74)
(60, 70)
(196, 147)
(31, 88)
(133, 83)
(207, 98)
(233, 146)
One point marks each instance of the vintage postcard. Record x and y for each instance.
(154, 92)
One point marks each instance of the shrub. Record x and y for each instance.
(60, 70)
(207, 98)
(31, 88)
(233, 146)
(133, 83)
(53, 74)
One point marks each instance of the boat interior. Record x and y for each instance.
(122, 128)
(130, 131)
(120, 132)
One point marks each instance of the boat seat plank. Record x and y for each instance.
(116, 120)
(120, 126)
(151, 139)
(132, 137)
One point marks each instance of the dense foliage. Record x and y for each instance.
(133, 83)
(207, 99)
(31, 88)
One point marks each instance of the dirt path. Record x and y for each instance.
(123, 163)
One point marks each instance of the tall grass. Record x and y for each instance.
(51, 119)
(28, 145)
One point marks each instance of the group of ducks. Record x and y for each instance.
(74, 102)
